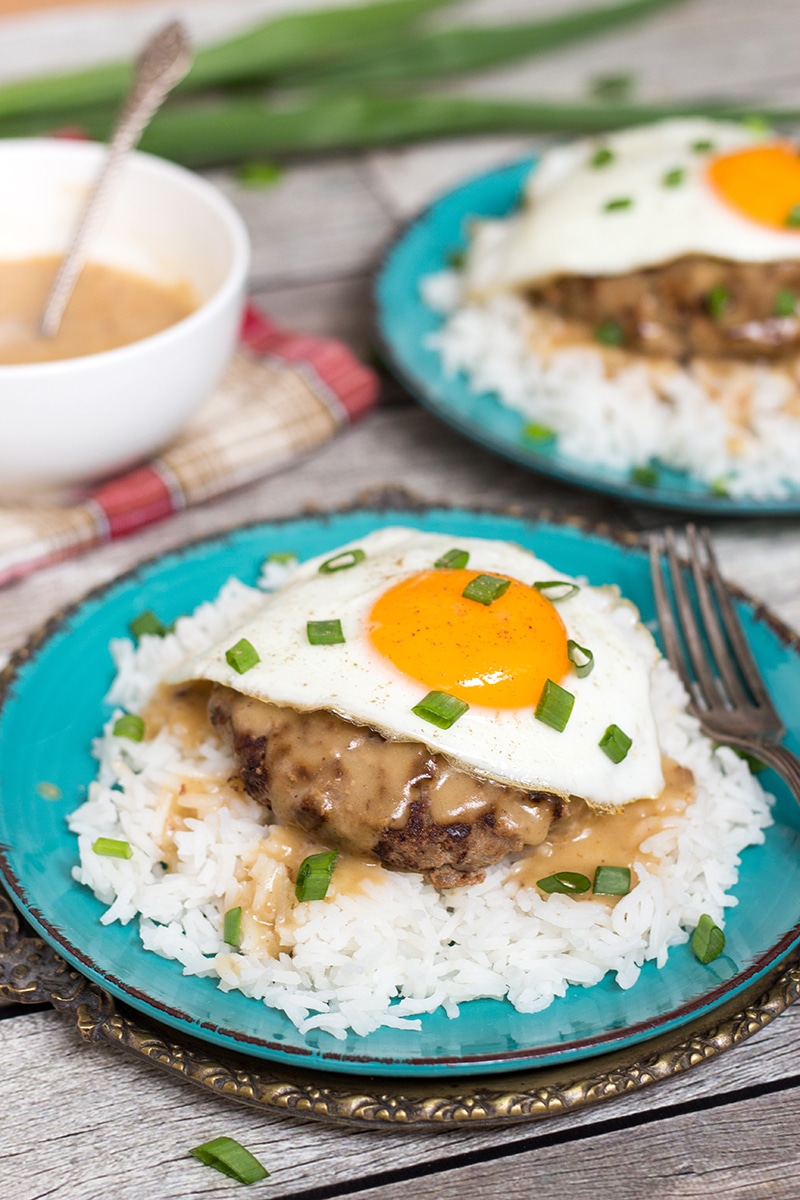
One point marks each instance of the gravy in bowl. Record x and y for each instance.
(109, 307)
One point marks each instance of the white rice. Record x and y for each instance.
(358, 962)
(734, 427)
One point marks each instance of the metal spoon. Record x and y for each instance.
(164, 61)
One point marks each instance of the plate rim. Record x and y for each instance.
(388, 501)
(562, 470)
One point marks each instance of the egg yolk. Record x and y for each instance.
(499, 655)
(761, 182)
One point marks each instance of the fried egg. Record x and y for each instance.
(408, 626)
(643, 197)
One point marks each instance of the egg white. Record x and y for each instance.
(565, 229)
(508, 745)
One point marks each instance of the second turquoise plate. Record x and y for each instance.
(404, 323)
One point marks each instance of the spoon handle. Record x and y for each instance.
(164, 61)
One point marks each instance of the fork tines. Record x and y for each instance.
(720, 670)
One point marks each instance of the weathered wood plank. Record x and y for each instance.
(90, 1124)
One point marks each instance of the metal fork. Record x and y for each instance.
(726, 690)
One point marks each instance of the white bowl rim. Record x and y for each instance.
(232, 283)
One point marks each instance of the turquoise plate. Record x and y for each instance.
(52, 706)
(403, 324)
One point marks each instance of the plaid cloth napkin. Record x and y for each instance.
(283, 395)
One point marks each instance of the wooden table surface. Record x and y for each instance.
(84, 1123)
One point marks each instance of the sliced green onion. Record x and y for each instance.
(456, 259)
(581, 658)
(454, 559)
(232, 926)
(785, 303)
(708, 940)
(645, 476)
(756, 123)
(259, 174)
(674, 178)
(601, 157)
(793, 216)
(556, 589)
(243, 656)
(704, 146)
(129, 726)
(325, 633)
(342, 562)
(568, 883)
(231, 1158)
(555, 706)
(485, 589)
(314, 875)
(618, 204)
(282, 556)
(615, 743)
(613, 88)
(717, 301)
(612, 881)
(538, 433)
(147, 623)
(719, 486)
(440, 709)
(609, 333)
(111, 848)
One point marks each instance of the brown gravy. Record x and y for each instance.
(586, 838)
(109, 308)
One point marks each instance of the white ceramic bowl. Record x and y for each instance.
(77, 420)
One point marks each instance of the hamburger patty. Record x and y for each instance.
(396, 802)
(692, 306)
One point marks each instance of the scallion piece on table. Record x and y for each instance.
(440, 709)
(581, 658)
(717, 301)
(232, 926)
(454, 559)
(555, 706)
(282, 557)
(147, 623)
(325, 633)
(485, 589)
(793, 217)
(612, 881)
(618, 204)
(112, 848)
(568, 883)
(615, 743)
(708, 940)
(242, 657)
(259, 174)
(314, 875)
(609, 333)
(231, 1158)
(342, 562)
(538, 433)
(673, 178)
(129, 726)
(556, 589)
(602, 157)
(785, 303)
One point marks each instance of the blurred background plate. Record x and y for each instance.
(52, 707)
(404, 323)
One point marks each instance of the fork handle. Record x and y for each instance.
(774, 755)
